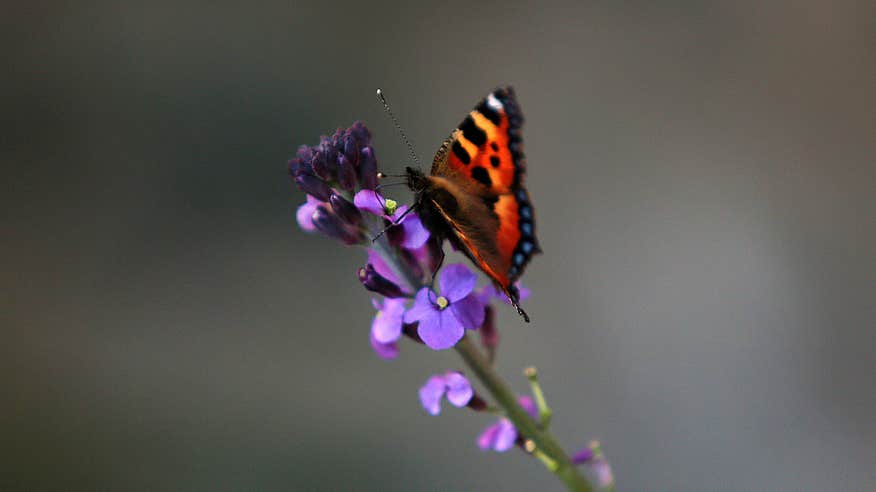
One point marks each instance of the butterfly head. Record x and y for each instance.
(416, 180)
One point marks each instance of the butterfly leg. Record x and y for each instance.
(437, 267)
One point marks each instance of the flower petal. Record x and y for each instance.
(395, 307)
(498, 437)
(440, 331)
(488, 437)
(304, 215)
(456, 282)
(431, 393)
(384, 350)
(387, 324)
(370, 201)
(382, 267)
(602, 470)
(505, 437)
(528, 405)
(459, 390)
(583, 456)
(416, 234)
(422, 307)
(469, 311)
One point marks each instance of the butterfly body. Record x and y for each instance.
(474, 194)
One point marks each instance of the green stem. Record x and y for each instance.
(543, 439)
(544, 411)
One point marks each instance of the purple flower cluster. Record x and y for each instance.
(339, 176)
(328, 173)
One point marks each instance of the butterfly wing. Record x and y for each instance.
(479, 170)
(484, 153)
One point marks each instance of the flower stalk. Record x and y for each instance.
(505, 398)
(340, 178)
(544, 412)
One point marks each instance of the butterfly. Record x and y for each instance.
(474, 195)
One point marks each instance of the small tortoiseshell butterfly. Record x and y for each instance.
(474, 194)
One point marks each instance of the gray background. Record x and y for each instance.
(703, 175)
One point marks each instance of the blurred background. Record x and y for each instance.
(704, 180)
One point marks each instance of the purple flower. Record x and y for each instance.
(583, 456)
(592, 457)
(305, 214)
(387, 327)
(502, 435)
(452, 384)
(387, 324)
(414, 234)
(384, 350)
(341, 161)
(444, 317)
(371, 201)
(382, 268)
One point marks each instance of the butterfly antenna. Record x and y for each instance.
(387, 185)
(398, 126)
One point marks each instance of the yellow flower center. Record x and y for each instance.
(442, 302)
(390, 206)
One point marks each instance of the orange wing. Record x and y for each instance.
(482, 165)
(485, 153)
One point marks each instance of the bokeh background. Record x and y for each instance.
(703, 174)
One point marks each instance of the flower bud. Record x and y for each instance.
(375, 282)
(367, 168)
(312, 185)
(410, 260)
(346, 173)
(360, 133)
(325, 160)
(351, 151)
(477, 403)
(489, 334)
(294, 166)
(583, 456)
(321, 166)
(332, 226)
(305, 153)
(410, 329)
(345, 210)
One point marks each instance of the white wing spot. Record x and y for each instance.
(494, 103)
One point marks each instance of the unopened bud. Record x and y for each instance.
(312, 185)
(345, 210)
(375, 282)
(346, 173)
(331, 225)
(367, 169)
